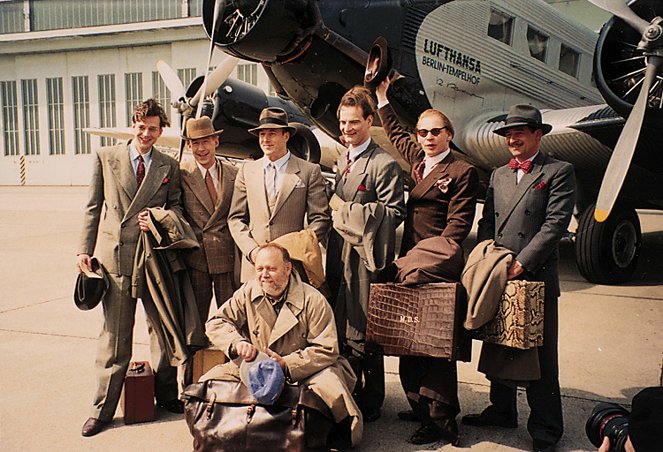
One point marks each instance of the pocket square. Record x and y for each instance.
(300, 184)
(165, 181)
(361, 187)
(443, 184)
(540, 185)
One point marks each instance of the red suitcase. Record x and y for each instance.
(137, 399)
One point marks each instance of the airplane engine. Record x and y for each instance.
(619, 65)
(264, 31)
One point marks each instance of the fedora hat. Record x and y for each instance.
(273, 118)
(523, 116)
(91, 286)
(197, 128)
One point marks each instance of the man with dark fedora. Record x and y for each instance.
(276, 194)
(528, 207)
(207, 188)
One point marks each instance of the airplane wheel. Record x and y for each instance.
(607, 253)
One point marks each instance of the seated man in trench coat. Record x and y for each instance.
(276, 313)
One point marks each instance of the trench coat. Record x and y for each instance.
(303, 333)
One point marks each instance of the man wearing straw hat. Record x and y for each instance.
(207, 188)
(276, 194)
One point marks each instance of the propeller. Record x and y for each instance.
(172, 81)
(620, 9)
(215, 78)
(651, 45)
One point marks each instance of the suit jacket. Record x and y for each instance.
(375, 178)
(301, 197)
(443, 203)
(531, 217)
(528, 218)
(114, 190)
(210, 223)
(303, 333)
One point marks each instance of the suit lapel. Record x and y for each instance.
(521, 188)
(124, 171)
(159, 169)
(254, 176)
(290, 180)
(436, 173)
(194, 179)
(224, 195)
(357, 173)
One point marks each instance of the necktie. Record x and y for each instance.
(419, 172)
(271, 181)
(140, 171)
(348, 164)
(210, 187)
(525, 166)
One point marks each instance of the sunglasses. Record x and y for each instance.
(423, 133)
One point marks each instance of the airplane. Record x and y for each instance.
(473, 59)
(497, 53)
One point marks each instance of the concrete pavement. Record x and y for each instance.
(611, 345)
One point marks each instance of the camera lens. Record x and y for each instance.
(611, 420)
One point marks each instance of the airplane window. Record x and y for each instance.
(500, 26)
(568, 61)
(538, 44)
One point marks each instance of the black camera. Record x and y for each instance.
(611, 420)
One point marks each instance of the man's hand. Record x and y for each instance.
(246, 350)
(276, 357)
(605, 446)
(381, 91)
(83, 262)
(143, 220)
(515, 270)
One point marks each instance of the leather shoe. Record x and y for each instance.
(490, 418)
(408, 415)
(371, 415)
(429, 434)
(93, 426)
(540, 446)
(174, 406)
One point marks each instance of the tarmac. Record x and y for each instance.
(611, 345)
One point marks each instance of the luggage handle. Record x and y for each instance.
(137, 367)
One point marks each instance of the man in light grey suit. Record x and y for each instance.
(368, 205)
(126, 180)
(207, 187)
(276, 194)
(528, 208)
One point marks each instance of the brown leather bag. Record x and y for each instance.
(422, 320)
(224, 416)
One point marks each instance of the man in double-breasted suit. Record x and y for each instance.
(368, 205)
(441, 203)
(207, 187)
(277, 194)
(529, 204)
(126, 180)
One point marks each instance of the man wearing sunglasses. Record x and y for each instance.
(442, 202)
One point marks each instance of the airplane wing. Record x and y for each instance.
(170, 138)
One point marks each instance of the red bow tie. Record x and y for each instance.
(526, 166)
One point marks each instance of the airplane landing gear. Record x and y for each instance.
(607, 253)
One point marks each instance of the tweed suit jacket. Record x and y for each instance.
(114, 191)
(443, 203)
(532, 216)
(301, 198)
(210, 223)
